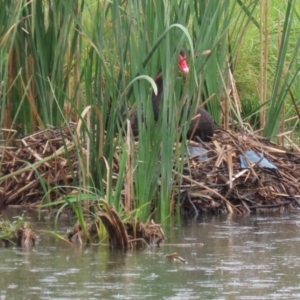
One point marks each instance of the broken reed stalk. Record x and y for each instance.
(114, 226)
(128, 184)
(90, 127)
(264, 48)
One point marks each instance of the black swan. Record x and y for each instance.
(201, 126)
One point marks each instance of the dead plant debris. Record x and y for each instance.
(17, 233)
(121, 235)
(35, 159)
(175, 257)
(233, 173)
(239, 173)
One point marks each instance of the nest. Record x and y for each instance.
(235, 173)
(35, 164)
(239, 173)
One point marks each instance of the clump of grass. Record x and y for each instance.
(17, 232)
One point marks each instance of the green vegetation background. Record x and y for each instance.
(93, 62)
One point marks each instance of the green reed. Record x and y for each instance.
(59, 59)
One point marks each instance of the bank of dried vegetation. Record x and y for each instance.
(235, 172)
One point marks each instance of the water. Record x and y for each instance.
(248, 257)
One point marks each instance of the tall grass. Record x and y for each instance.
(281, 74)
(286, 72)
(59, 57)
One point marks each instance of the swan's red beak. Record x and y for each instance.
(182, 64)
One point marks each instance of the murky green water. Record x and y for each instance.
(245, 257)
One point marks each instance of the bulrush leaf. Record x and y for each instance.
(58, 59)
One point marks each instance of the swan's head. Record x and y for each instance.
(182, 63)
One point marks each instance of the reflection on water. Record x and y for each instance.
(248, 257)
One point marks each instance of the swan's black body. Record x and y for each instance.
(203, 127)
